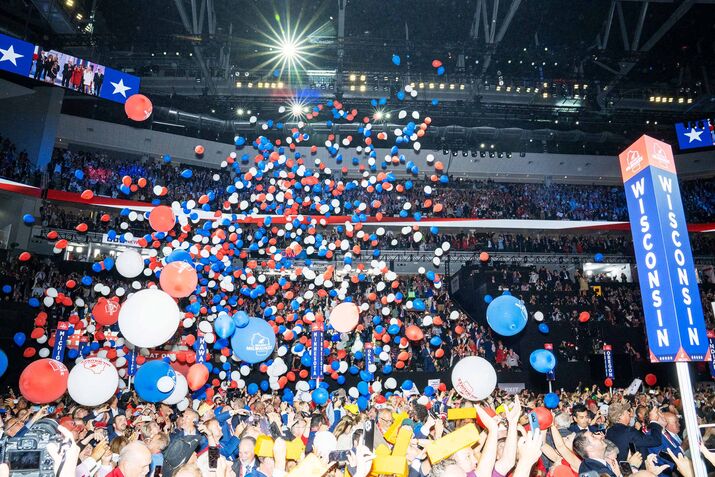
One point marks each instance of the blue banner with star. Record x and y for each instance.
(118, 86)
(15, 55)
(695, 134)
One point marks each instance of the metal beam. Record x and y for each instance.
(474, 31)
(639, 26)
(202, 14)
(342, 4)
(493, 28)
(622, 24)
(485, 21)
(626, 67)
(194, 18)
(499, 36)
(198, 55)
(607, 33)
(211, 17)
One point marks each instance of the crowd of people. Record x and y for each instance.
(410, 431)
(461, 199)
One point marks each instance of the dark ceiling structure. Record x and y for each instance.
(594, 74)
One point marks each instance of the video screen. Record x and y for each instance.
(23, 460)
(67, 71)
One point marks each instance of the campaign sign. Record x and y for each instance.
(58, 350)
(201, 349)
(671, 300)
(608, 360)
(551, 375)
(316, 351)
(711, 361)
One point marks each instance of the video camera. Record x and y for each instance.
(27, 455)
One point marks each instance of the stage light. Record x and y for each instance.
(482, 145)
(239, 111)
(465, 153)
(508, 155)
(69, 3)
(79, 17)
(378, 115)
(352, 77)
(296, 110)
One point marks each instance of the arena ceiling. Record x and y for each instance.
(626, 52)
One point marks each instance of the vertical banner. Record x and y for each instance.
(201, 350)
(369, 356)
(608, 360)
(58, 350)
(551, 375)
(132, 363)
(316, 351)
(671, 300)
(711, 343)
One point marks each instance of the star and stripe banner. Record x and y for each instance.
(60, 69)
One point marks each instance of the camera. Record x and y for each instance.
(27, 455)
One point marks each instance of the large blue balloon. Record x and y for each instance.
(320, 396)
(255, 342)
(542, 360)
(551, 400)
(507, 315)
(224, 325)
(146, 381)
(3, 362)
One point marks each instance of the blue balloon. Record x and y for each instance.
(179, 256)
(428, 391)
(362, 403)
(252, 389)
(598, 257)
(363, 388)
(544, 328)
(241, 319)
(79, 174)
(507, 315)
(542, 360)
(6, 288)
(187, 173)
(255, 342)
(418, 304)
(147, 378)
(224, 325)
(29, 219)
(396, 60)
(3, 362)
(488, 299)
(407, 385)
(435, 341)
(551, 401)
(320, 396)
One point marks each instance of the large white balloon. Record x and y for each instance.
(181, 388)
(474, 378)
(129, 263)
(92, 382)
(149, 318)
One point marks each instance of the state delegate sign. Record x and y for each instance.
(671, 300)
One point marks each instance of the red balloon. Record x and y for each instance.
(584, 316)
(138, 107)
(436, 63)
(87, 194)
(484, 257)
(199, 150)
(106, 312)
(178, 279)
(44, 381)
(608, 382)
(650, 379)
(414, 333)
(161, 218)
(544, 417)
(197, 376)
(24, 256)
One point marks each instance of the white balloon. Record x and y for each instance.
(376, 387)
(92, 382)
(390, 383)
(538, 316)
(183, 405)
(166, 383)
(48, 301)
(129, 263)
(474, 378)
(149, 318)
(52, 292)
(353, 393)
(181, 388)
(44, 352)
